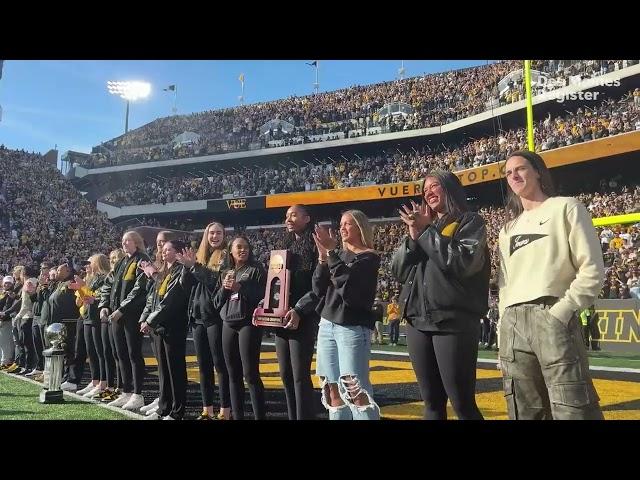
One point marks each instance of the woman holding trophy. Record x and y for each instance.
(238, 292)
(294, 342)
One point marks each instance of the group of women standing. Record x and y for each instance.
(443, 264)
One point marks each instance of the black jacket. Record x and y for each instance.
(445, 278)
(303, 261)
(12, 303)
(61, 305)
(42, 294)
(167, 314)
(348, 284)
(238, 308)
(118, 289)
(378, 312)
(8, 302)
(91, 314)
(205, 281)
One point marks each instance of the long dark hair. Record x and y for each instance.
(455, 200)
(304, 248)
(232, 261)
(514, 205)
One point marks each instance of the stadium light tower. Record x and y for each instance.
(130, 91)
(401, 71)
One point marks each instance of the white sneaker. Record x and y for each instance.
(153, 416)
(69, 387)
(135, 403)
(168, 417)
(121, 400)
(86, 389)
(151, 406)
(152, 411)
(33, 373)
(94, 391)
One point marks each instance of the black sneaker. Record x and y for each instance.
(205, 416)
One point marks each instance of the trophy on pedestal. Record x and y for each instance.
(56, 335)
(276, 297)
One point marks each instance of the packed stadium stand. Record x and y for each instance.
(319, 148)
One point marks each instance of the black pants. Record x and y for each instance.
(295, 352)
(37, 333)
(76, 351)
(128, 340)
(591, 335)
(585, 335)
(488, 336)
(241, 347)
(445, 366)
(486, 330)
(394, 331)
(19, 353)
(208, 343)
(95, 349)
(152, 343)
(172, 372)
(111, 364)
(25, 333)
(594, 331)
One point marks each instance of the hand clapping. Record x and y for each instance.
(325, 240)
(187, 257)
(417, 218)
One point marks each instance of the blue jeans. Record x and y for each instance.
(343, 359)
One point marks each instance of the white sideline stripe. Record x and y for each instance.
(127, 413)
(494, 361)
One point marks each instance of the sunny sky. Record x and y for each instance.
(66, 102)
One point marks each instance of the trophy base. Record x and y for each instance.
(48, 396)
(267, 321)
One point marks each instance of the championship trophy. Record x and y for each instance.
(276, 298)
(56, 335)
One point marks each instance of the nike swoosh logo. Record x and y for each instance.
(542, 223)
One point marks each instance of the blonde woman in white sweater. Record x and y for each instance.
(551, 268)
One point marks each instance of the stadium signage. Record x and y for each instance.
(234, 204)
(400, 190)
(237, 204)
(619, 325)
(353, 194)
(485, 173)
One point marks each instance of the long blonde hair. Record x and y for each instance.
(364, 225)
(206, 255)
(118, 253)
(99, 265)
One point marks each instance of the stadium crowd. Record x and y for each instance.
(54, 223)
(435, 99)
(609, 118)
(44, 218)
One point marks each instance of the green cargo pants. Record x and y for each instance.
(544, 365)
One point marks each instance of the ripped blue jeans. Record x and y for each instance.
(343, 354)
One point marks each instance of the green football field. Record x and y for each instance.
(19, 401)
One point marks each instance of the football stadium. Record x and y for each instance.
(462, 244)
